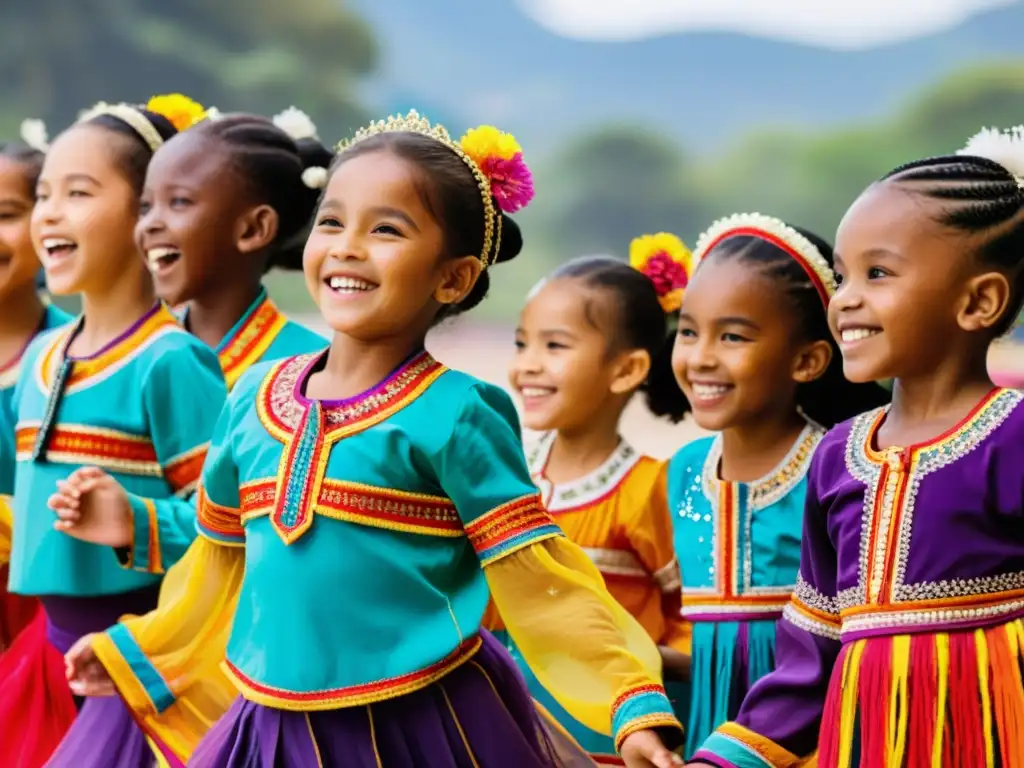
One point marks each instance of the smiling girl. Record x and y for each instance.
(107, 392)
(755, 359)
(588, 339)
(23, 315)
(415, 472)
(902, 645)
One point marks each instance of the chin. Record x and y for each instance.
(64, 285)
(862, 372)
(712, 421)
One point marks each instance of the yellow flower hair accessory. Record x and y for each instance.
(667, 262)
(494, 158)
(500, 158)
(181, 111)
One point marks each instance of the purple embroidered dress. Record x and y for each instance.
(903, 642)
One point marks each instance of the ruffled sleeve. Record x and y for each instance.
(166, 664)
(585, 649)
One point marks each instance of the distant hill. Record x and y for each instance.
(485, 61)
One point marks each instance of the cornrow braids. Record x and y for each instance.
(981, 197)
(29, 157)
(273, 165)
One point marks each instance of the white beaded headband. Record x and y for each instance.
(780, 234)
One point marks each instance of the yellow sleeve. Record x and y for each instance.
(648, 525)
(585, 649)
(6, 528)
(166, 664)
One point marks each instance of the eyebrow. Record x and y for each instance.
(728, 320)
(872, 253)
(395, 213)
(82, 177)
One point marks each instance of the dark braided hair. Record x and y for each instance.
(134, 155)
(450, 192)
(639, 323)
(977, 196)
(272, 163)
(831, 398)
(28, 157)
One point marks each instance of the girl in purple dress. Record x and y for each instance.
(904, 641)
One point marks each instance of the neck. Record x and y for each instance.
(945, 395)
(20, 313)
(108, 313)
(354, 366)
(749, 452)
(211, 317)
(580, 450)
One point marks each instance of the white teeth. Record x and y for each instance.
(856, 334)
(536, 391)
(51, 243)
(708, 391)
(154, 255)
(349, 284)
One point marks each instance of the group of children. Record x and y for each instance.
(232, 542)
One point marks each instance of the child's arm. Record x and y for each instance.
(778, 724)
(182, 394)
(587, 650)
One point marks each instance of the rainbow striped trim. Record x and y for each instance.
(79, 444)
(365, 505)
(511, 527)
(218, 523)
(250, 341)
(183, 471)
(350, 696)
(144, 553)
(641, 708)
(734, 746)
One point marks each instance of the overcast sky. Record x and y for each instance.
(844, 24)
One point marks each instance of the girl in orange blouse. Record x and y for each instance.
(585, 344)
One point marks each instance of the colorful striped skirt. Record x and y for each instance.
(477, 716)
(40, 722)
(934, 699)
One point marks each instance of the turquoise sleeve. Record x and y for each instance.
(483, 471)
(183, 393)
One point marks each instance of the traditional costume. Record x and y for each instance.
(903, 642)
(618, 515)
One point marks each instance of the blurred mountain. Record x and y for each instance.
(470, 62)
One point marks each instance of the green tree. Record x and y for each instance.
(57, 58)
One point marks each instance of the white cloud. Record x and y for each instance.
(843, 24)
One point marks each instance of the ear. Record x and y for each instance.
(631, 369)
(987, 298)
(457, 279)
(812, 361)
(256, 229)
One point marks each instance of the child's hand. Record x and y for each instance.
(92, 506)
(86, 675)
(644, 749)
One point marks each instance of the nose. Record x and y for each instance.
(702, 356)
(526, 360)
(848, 296)
(46, 211)
(347, 245)
(150, 221)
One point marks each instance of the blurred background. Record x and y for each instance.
(635, 117)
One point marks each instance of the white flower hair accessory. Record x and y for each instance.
(296, 124)
(33, 133)
(315, 178)
(1003, 147)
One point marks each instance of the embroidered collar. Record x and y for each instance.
(281, 403)
(105, 362)
(586, 490)
(767, 490)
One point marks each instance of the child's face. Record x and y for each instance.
(562, 370)
(84, 218)
(900, 285)
(736, 353)
(191, 218)
(374, 261)
(18, 260)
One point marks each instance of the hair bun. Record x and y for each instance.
(511, 240)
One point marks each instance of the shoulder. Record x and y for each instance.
(55, 317)
(173, 349)
(691, 455)
(463, 395)
(43, 341)
(249, 383)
